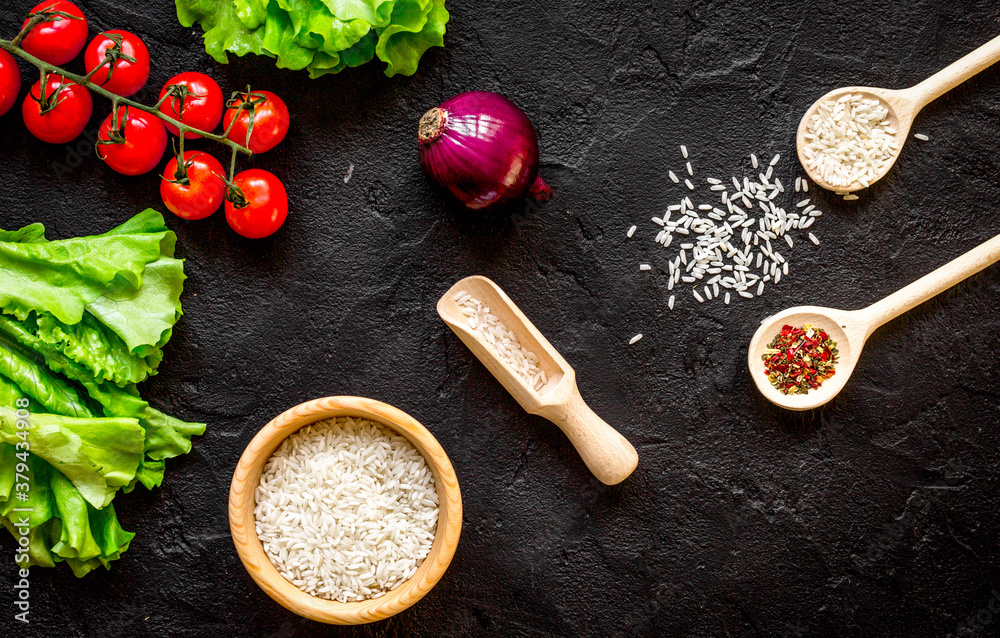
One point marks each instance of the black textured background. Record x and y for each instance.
(876, 516)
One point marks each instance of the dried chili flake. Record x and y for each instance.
(800, 359)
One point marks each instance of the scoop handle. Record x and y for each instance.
(607, 454)
(932, 284)
(955, 73)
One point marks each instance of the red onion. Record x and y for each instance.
(483, 149)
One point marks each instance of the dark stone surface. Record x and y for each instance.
(875, 516)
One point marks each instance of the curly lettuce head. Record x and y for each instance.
(321, 36)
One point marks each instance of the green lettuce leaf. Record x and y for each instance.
(9, 393)
(416, 26)
(148, 221)
(251, 13)
(37, 381)
(120, 335)
(150, 473)
(90, 432)
(73, 528)
(62, 277)
(375, 12)
(103, 352)
(63, 525)
(333, 62)
(30, 234)
(223, 28)
(99, 455)
(315, 27)
(37, 500)
(166, 437)
(281, 42)
(144, 318)
(322, 36)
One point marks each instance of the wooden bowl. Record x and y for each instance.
(251, 550)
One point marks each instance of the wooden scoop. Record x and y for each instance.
(903, 105)
(607, 453)
(851, 329)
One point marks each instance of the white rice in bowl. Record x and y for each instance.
(346, 509)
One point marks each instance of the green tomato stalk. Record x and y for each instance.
(44, 68)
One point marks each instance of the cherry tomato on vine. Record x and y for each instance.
(204, 192)
(62, 114)
(60, 40)
(135, 144)
(270, 120)
(264, 206)
(202, 106)
(10, 81)
(121, 75)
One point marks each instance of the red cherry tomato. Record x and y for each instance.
(10, 81)
(266, 204)
(61, 39)
(145, 139)
(202, 108)
(64, 121)
(126, 78)
(204, 192)
(270, 120)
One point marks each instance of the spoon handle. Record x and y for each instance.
(932, 284)
(608, 455)
(955, 73)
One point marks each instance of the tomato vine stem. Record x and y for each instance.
(14, 48)
(33, 22)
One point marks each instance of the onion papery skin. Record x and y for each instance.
(483, 149)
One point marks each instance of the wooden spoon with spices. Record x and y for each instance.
(608, 454)
(851, 329)
(903, 106)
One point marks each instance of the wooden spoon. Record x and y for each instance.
(851, 329)
(606, 453)
(903, 105)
